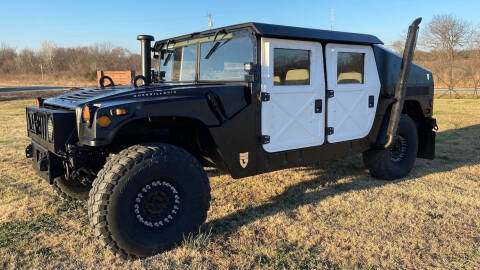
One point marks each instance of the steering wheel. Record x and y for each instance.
(101, 81)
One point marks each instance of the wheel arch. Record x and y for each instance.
(413, 109)
(188, 133)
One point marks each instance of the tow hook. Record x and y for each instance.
(43, 163)
(29, 151)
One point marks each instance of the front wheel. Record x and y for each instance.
(147, 198)
(397, 161)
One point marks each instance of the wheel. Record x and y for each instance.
(147, 198)
(397, 161)
(71, 189)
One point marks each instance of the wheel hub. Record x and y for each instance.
(399, 149)
(156, 204)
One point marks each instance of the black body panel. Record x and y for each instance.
(420, 82)
(157, 101)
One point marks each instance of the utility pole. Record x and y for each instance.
(210, 23)
(41, 70)
(332, 18)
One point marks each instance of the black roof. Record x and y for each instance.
(291, 32)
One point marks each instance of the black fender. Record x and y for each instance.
(210, 105)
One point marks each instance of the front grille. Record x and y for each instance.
(37, 124)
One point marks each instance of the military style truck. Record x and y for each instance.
(246, 99)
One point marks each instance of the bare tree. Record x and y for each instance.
(472, 66)
(445, 35)
(7, 58)
(398, 46)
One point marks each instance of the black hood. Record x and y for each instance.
(78, 98)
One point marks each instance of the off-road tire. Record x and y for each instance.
(385, 165)
(115, 190)
(70, 190)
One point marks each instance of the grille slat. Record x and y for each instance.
(37, 124)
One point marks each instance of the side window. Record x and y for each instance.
(291, 67)
(350, 68)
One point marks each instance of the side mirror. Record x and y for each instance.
(251, 69)
(155, 78)
(161, 76)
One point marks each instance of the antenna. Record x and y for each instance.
(332, 18)
(210, 23)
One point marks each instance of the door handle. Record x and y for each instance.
(318, 106)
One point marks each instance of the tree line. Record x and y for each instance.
(81, 61)
(449, 47)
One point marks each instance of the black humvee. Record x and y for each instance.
(246, 99)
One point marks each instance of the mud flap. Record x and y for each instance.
(426, 139)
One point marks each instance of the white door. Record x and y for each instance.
(353, 89)
(293, 87)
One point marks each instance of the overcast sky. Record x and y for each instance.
(74, 23)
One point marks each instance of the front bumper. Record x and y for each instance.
(53, 129)
(41, 160)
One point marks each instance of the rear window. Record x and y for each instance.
(291, 67)
(350, 68)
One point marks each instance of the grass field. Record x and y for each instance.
(330, 215)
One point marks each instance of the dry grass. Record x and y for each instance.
(457, 95)
(331, 215)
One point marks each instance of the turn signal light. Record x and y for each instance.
(39, 102)
(104, 121)
(120, 111)
(86, 113)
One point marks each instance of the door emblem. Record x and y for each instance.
(243, 159)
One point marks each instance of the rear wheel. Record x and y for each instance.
(147, 198)
(397, 161)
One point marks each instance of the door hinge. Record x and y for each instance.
(318, 106)
(265, 139)
(371, 101)
(330, 93)
(265, 96)
(330, 130)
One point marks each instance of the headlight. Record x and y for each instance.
(50, 129)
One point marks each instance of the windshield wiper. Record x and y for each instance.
(217, 44)
(167, 59)
(215, 47)
(212, 50)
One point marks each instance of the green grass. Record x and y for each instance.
(332, 215)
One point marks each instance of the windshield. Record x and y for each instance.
(220, 60)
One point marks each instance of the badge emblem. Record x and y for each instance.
(243, 159)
